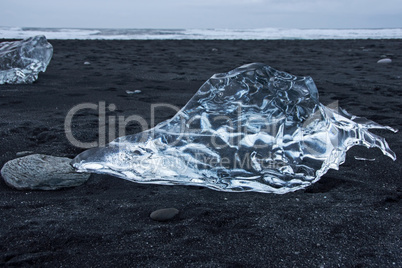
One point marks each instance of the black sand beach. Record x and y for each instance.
(350, 218)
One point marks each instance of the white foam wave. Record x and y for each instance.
(203, 34)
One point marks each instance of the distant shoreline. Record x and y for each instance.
(199, 34)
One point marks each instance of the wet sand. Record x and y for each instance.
(350, 218)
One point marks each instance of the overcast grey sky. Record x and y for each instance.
(202, 14)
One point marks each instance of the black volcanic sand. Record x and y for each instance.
(350, 218)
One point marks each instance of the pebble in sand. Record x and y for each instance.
(164, 214)
(384, 61)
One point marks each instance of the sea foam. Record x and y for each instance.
(199, 34)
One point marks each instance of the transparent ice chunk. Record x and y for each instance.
(251, 129)
(21, 61)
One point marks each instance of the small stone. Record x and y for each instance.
(41, 172)
(24, 153)
(133, 92)
(164, 214)
(384, 61)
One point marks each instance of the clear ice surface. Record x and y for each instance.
(251, 129)
(21, 61)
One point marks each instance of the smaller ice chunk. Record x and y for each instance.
(21, 61)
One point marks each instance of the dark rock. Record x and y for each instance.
(164, 214)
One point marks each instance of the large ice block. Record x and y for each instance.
(251, 129)
(21, 61)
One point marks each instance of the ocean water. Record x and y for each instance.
(202, 34)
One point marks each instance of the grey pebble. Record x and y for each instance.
(384, 61)
(133, 92)
(41, 172)
(23, 153)
(164, 214)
